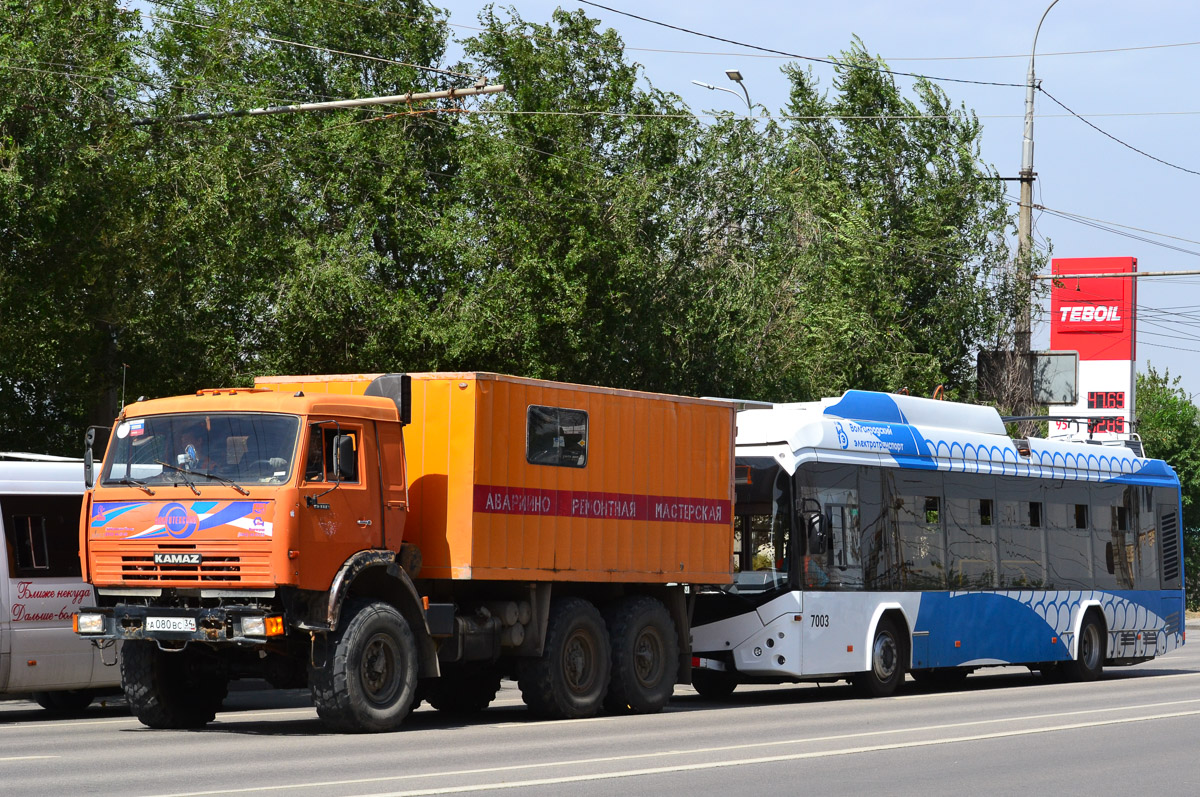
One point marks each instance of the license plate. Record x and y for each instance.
(170, 623)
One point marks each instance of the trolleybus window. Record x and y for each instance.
(1020, 536)
(970, 531)
(917, 502)
(834, 491)
(763, 526)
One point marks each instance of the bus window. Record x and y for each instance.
(833, 490)
(1146, 570)
(971, 531)
(43, 535)
(763, 526)
(1020, 536)
(1068, 547)
(1115, 541)
(917, 504)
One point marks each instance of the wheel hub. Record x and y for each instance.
(380, 677)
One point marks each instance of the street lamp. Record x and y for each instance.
(736, 77)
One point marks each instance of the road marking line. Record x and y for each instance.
(727, 749)
(762, 760)
(28, 757)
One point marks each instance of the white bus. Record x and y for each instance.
(41, 587)
(881, 534)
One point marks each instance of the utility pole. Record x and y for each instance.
(1024, 329)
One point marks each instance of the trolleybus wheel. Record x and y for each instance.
(713, 684)
(887, 662)
(1089, 658)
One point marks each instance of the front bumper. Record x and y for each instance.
(226, 624)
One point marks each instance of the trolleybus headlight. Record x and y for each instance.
(89, 623)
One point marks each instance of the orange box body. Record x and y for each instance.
(646, 496)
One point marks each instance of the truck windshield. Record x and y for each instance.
(203, 449)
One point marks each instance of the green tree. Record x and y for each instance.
(585, 228)
(1169, 426)
(901, 232)
(561, 210)
(68, 75)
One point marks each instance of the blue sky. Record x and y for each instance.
(1147, 97)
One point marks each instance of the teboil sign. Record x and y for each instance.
(1095, 316)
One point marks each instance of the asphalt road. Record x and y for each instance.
(1004, 732)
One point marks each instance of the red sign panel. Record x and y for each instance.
(612, 506)
(1093, 316)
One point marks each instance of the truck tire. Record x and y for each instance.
(645, 656)
(570, 679)
(72, 701)
(464, 690)
(368, 681)
(171, 690)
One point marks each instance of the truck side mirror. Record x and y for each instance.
(89, 457)
(89, 438)
(818, 533)
(345, 464)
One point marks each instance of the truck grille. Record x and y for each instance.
(220, 565)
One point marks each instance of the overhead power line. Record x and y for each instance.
(534, 37)
(1114, 138)
(1123, 234)
(1116, 224)
(814, 59)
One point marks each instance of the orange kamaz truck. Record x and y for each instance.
(385, 539)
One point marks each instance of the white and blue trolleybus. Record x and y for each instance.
(879, 535)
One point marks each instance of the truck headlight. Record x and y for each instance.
(89, 623)
(254, 626)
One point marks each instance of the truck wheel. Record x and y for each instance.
(464, 690)
(68, 702)
(171, 690)
(570, 678)
(713, 684)
(645, 656)
(1089, 660)
(369, 679)
(887, 662)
